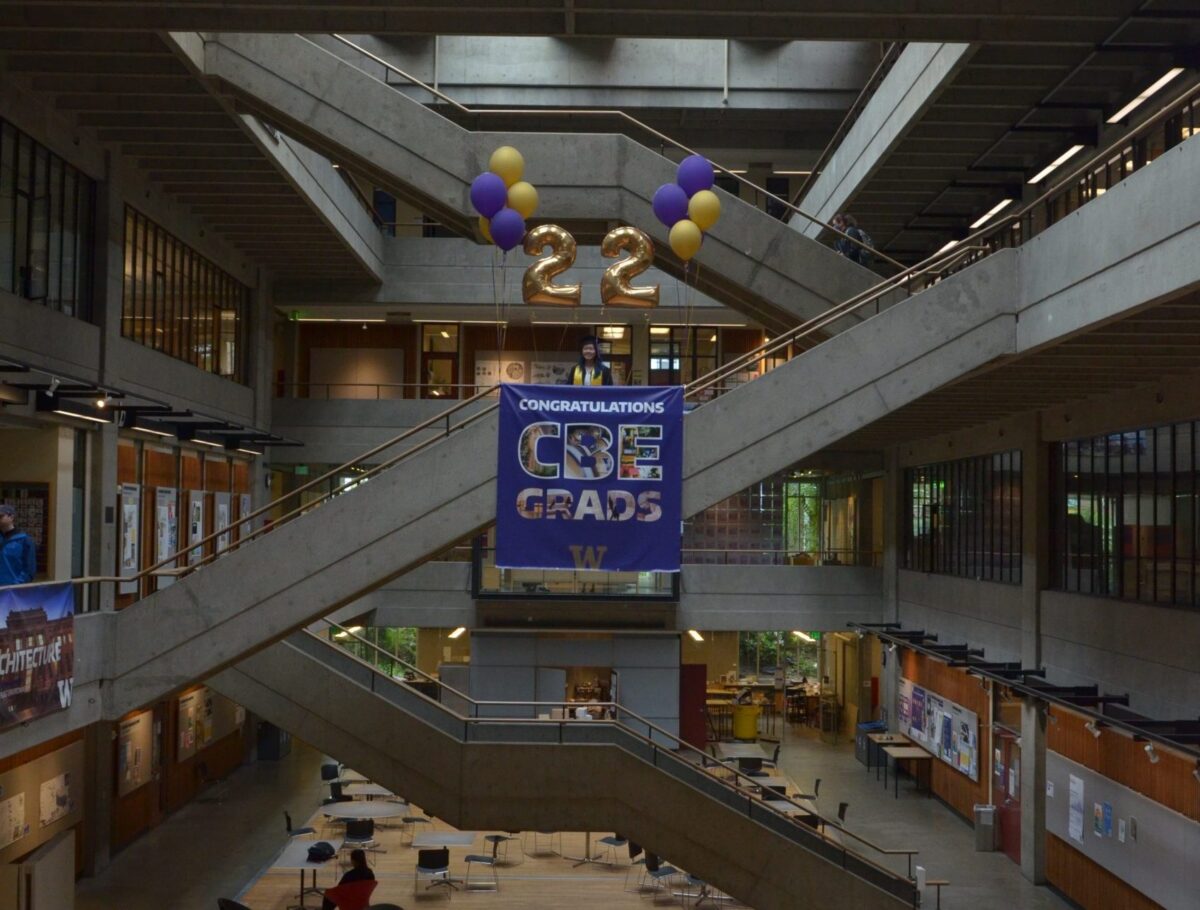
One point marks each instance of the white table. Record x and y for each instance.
(445, 839)
(350, 776)
(364, 810)
(795, 807)
(750, 756)
(368, 790)
(765, 783)
(295, 856)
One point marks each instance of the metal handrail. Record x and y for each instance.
(616, 707)
(592, 112)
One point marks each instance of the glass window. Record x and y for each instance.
(1124, 514)
(43, 226)
(178, 302)
(964, 517)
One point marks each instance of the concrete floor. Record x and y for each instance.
(209, 850)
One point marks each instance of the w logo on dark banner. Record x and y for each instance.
(589, 478)
(37, 651)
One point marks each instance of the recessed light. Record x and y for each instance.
(991, 213)
(1140, 99)
(1056, 163)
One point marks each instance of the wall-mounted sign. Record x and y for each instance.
(37, 652)
(946, 729)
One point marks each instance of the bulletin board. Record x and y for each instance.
(946, 729)
(128, 561)
(135, 752)
(39, 799)
(166, 530)
(204, 718)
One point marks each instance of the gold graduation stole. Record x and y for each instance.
(597, 375)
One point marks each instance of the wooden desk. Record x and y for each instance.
(878, 740)
(913, 754)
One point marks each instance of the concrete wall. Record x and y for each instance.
(504, 667)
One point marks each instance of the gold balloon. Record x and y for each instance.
(485, 228)
(685, 239)
(523, 197)
(704, 208)
(508, 164)
(615, 286)
(538, 286)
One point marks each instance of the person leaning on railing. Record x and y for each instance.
(18, 553)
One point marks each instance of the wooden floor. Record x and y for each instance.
(542, 881)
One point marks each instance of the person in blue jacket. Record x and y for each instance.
(18, 555)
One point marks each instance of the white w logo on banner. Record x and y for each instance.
(64, 692)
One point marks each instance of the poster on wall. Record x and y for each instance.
(946, 729)
(487, 375)
(222, 520)
(1075, 809)
(12, 820)
(195, 525)
(135, 739)
(55, 799)
(166, 530)
(246, 528)
(548, 373)
(131, 528)
(589, 478)
(37, 652)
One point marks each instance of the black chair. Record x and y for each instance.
(814, 794)
(224, 903)
(842, 807)
(773, 761)
(433, 865)
(360, 833)
(296, 832)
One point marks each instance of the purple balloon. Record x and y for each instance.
(508, 228)
(670, 204)
(695, 174)
(488, 194)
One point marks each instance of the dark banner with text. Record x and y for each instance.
(37, 651)
(589, 477)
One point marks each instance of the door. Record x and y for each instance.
(440, 376)
(1006, 792)
(693, 681)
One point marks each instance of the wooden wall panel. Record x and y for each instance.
(1087, 883)
(126, 462)
(183, 777)
(956, 789)
(191, 471)
(241, 476)
(159, 468)
(1169, 782)
(216, 475)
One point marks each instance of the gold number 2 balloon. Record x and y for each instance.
(615, 286)
(538, 286)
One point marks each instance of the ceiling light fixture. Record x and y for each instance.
(660, 330)
(457, 632)
(445, 334)
(154, 432)
(696, 636)
(1056, 163)
(991, 213)
(205, 442)
(713, 339)
(804, 636)
(80, 416)
(1150, 753)
(55, 382)
(1093, 728)
(1140, 99)
(793, 173)
(249, 452)
(949, 246)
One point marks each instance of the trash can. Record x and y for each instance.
(861, 743)
(986, 830)
(745, 721)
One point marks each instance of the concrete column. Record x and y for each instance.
(107, 298)
(893, 534)
(1033, 791)
(260, 368)
(1035, 563)
(98, 796)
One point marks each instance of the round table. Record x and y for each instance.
(376, 809)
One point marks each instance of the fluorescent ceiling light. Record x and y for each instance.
(793, 173)
(736, 171)
(991, 213)
(1158, 83)
(445, 334)
(804, 636)
(949, 246)
(457, 632)
(246, 451)
(354, 629)
(612, 332)
(205, 442)
(460, 321)
(154, 432)
(1056, 163)
(660, 330)
(696, 636)
(81, 416)
(713, 339)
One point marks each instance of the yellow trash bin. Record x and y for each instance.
(745, 721)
